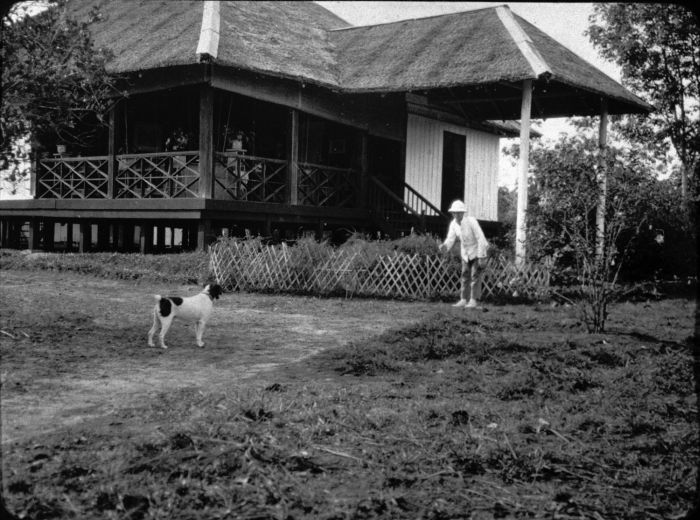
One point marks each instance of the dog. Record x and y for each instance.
(194, 308)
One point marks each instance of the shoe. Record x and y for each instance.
(473, 304)
(460, 303)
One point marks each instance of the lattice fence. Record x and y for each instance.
(243, 266)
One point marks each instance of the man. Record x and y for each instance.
(474, 245)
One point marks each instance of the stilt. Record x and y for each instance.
(103, 237)
(47, 235)
(204, 236)
(160, 238)
(4, 227)
(33, 242)
(121, 237)
(146, 238)
(85, 237)
(69, 237)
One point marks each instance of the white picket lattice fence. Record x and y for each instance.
(242, 266)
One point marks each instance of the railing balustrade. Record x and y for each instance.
(73, 178)
(157, 175)
(250, 178)
(419, 204)
(320, 185)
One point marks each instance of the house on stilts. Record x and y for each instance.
(281, 119)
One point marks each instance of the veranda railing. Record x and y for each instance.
(242, 266)
(320, 185)
(250, 178)
(157, 175)
(177, 175)
(72, 178)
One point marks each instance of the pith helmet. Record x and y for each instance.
(457, 207)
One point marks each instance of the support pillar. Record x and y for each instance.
(364, 169)
(4, 233)
(85, 237)
(160, 238)
(204, 235)
(602, 181)
(69, 236)
(33, 240)
(521, 213)
(146, 238)
(120, 231)
(102, 237)
(293, 157)
(206, 141)
(115, 116)
(47, 235)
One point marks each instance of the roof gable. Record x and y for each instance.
(306, 42)
(464, 48)
(282, 38)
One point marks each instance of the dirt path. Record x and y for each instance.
(74, 347)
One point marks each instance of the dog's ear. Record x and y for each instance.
(215, 291)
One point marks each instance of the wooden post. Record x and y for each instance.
(206, 141)
(47, 235)
(521, 213)
(160, 238)
(34, 175)
(103, 237)
(112, 149)
(146, 238)
(602, 181)
(85, 237)
(203, 234)
(364, 184)
(69, 236)
(4, 233)
(121, 236)
(293, 157)
(34, 235)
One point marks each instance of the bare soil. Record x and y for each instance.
(74, 347)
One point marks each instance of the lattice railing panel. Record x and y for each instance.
(239, 265)
(245, 177)
(73, 178)
(327, 186)
(157, 175)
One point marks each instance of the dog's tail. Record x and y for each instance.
(157, 297)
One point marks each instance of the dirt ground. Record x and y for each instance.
(88, 356)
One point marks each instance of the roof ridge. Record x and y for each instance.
(415, 19)
(523, 41)
(211, 29)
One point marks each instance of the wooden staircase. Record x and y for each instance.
(395, 216)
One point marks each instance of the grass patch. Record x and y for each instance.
(492, 415)
(183, 268)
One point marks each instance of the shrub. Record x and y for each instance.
(185, 268)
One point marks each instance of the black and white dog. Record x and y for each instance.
(194, 308)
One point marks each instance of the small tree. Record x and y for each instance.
(54, 84)
(562, 213)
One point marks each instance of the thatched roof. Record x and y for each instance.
(485, 52)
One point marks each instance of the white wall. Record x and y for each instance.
(424, 140)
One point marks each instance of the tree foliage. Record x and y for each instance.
(645, 238)
(657, 47)
(55, 88)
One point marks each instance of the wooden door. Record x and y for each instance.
(453, 157)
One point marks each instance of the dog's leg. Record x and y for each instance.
(165, 325)
(199, 331)
(154, 328)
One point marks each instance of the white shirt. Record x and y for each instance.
(472, 240)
